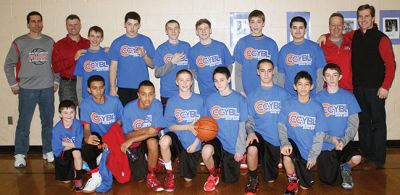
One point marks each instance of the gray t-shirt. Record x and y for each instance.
(33, 57)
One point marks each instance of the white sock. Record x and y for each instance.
(168, 165)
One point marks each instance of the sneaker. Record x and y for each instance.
(169, 184)
(153, 183)
(211, 183)
(252, 186)
(292, 187)
(347, 178)
(93, 183)
(243, 162)
(49, 156)
(19, 161)
(78, 187)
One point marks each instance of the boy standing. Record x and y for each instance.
(95, 61)
(206, 56)
(341, 109)
(182, 111)
(264, 105)
(98, 113)
(229, 109)
(66, 143)
(301, 125)
(142, 120)
(170, 57)
(130, 55)
(300, 55)
(251, 49)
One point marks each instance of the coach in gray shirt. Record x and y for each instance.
(35, 83)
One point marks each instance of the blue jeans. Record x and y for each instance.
(27, 100)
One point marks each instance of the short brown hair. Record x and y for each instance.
(257, 13)
(336, 14)
(96, 29)
(203, 21)
(367, 6)
(172, 21)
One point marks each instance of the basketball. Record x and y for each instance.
(206, 128)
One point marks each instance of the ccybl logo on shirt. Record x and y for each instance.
(69, 140)
(187, 116)
(102, 118)
(140, 123)
(127, 50)
(302, 59)
(228, 113)
(336, 110)
(258, 54)
(298, 120)
(272, 107)
(89, 66)
(203, 61)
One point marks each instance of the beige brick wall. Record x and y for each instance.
(109, 15)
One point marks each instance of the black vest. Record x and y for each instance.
(367, 63)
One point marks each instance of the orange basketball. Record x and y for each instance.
(206, 128)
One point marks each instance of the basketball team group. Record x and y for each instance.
(300, 106)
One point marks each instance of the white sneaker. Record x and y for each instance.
(93, 183)
(19, 160)
(49, 156)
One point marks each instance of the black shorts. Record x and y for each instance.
(328, 163)
(126, 95)
(139, 165)
(230, 169)
(269, 156)
(64, 166)
(304, 175)
(187, 162)
(91, 152)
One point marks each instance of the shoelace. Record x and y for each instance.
(252, 185)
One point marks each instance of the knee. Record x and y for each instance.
(252, 151)
(207, 152)
(165, 142)
(76, 154)
(356, 159)
(152, 144)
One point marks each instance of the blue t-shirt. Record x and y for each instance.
(163, 55)
(307, 56)
(132, 68)
(181, 111)
(101, 116)
(303, 121)
(228, 111)
(135, 118)
(338, 107)
(90, 64)
(205, 59)
(248, 51)
(74, 134)
(264, 105)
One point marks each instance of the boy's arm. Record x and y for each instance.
(316, 147)
(193, 146)
(241, 139)
(113, 77)
(320, 80)
(351, 131)
(166, 68)
(250, 124)
(283, 137)
(141, 134)
(148, 60)
(238, 77)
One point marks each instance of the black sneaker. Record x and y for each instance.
(347, 178)
(292, 187)
(252, 186)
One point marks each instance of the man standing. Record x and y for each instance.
(373, 73)
(35, 83)
(63, 58)
(337, 49)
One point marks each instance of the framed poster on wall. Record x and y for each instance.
(239, 26)
(389, 24)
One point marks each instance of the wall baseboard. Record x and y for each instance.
(38, 149)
